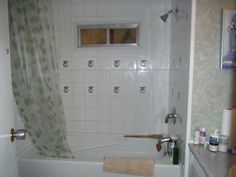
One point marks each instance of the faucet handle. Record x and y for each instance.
(173, 115)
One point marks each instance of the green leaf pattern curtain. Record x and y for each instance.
(35, 75)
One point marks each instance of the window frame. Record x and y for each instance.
(108, 27)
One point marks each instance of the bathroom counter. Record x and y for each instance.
(214, 164)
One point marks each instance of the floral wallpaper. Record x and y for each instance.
(213, 89)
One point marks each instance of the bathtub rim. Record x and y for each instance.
(25, 157)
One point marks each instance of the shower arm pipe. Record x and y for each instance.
(175, 10)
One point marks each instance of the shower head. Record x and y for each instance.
(165, 16)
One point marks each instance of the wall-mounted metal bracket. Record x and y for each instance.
(18, 134)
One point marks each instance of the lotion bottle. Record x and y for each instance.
(214, 141)
(196, 136)
(202, 137)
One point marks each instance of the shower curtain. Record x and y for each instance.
(35, 77)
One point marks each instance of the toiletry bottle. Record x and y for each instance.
(223, 143)
(196, 136)
(202, 137)
(214, 141)
(175, 153)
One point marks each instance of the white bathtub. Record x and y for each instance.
(88, 163)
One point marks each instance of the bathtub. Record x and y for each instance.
(89, 162)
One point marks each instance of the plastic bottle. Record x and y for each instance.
(176, 154)
(223, 143)
(196, 136)
(202, 136)
(214, 141)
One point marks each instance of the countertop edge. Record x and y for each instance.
(198, 159)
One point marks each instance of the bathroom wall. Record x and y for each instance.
(179, 73)
(213, 89)
(103, 112)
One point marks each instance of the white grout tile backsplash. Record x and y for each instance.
(113, 90)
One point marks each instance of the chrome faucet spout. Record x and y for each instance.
(161, 141)
(169, 140)
(164, 139)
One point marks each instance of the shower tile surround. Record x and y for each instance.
(179, 74)
(100, 97)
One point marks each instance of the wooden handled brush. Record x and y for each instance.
(152, 136)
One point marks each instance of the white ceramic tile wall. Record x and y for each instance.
(104, 99)
(179, 71)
